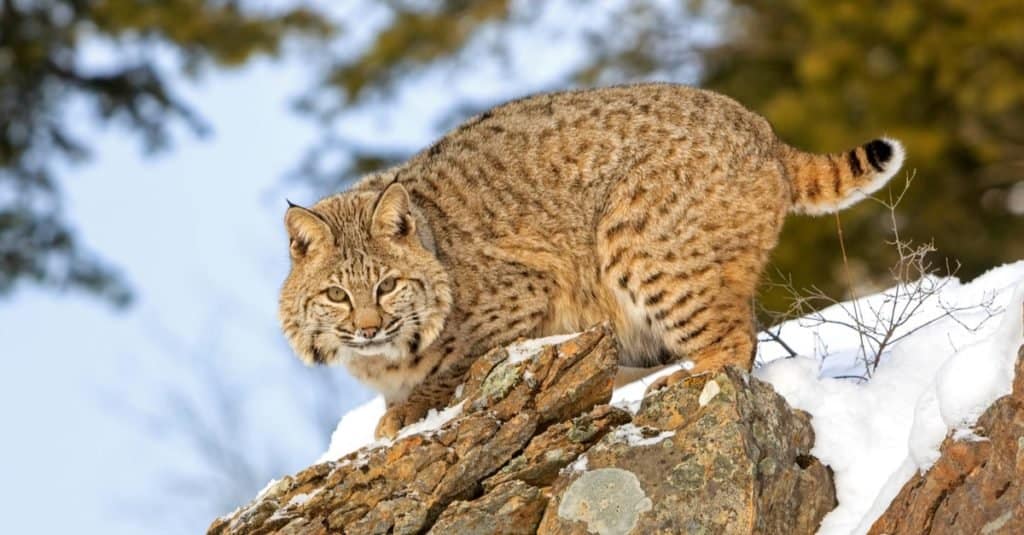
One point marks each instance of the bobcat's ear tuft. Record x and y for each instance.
(306, 230)
(392, 217)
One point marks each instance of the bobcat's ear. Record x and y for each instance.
(306, 230)
(392, 217)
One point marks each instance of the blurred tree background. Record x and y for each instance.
(944, 76)
(41, 75)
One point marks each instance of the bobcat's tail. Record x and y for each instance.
(826, 183)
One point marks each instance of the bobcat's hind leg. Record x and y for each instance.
(709, 360)
(712, 336)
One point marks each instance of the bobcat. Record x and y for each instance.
(652, 206)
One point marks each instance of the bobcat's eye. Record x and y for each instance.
(386, 286)
(337, 294)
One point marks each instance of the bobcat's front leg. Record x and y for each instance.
(477, 334)
(435, 392)
(399, 415)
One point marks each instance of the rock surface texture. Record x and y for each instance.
(534, 448)
(976, 486)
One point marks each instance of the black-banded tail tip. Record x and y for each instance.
(879, 153)
(885, 155)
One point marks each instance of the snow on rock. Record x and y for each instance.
(355, 430)
(986, 365)
(630, 395)
(301, 498)
(579, 465)
(521, 351)
(711, 389)
(637, 436)
(433, 421)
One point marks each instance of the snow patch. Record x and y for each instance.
(629, 396)
(355, 430)
(580, 464)
(634, 436)
(272, 487)
(527, 349)
(301, 499)
(433, 421)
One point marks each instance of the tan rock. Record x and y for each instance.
(510, 508)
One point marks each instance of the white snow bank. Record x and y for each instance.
(876, 434)
(355, 430)
(940, 374)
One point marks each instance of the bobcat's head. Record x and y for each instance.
(364, 279)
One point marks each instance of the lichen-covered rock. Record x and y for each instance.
(404, 487)
(711, 454)
(533, 446)
(608, 501)
(976, 486)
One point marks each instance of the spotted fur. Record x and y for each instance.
(652, 206)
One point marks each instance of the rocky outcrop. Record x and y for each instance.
(976, 486)
(713, 454)
(531, 446)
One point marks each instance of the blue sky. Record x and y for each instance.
(198, 233)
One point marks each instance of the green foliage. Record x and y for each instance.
(944, 76)
(415, 38)
(39, 74)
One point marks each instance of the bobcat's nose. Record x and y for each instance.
(367, 322)
(368, 332)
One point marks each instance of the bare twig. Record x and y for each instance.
(913, 303)
(777, 339)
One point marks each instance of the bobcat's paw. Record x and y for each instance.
(666, 381)
(398, 416)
